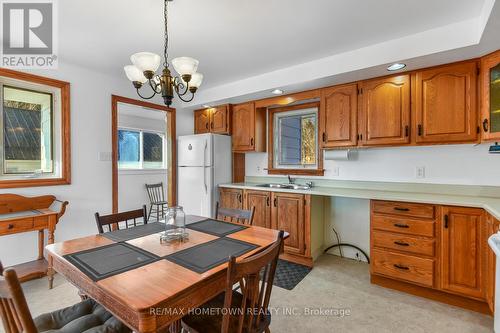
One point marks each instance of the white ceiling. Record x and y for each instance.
(239, 39)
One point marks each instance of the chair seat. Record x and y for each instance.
(86, 316)
(159, 203)
(202, 321)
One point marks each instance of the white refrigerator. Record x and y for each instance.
(204, 162)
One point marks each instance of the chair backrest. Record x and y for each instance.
(256, 288)
(155, 192)
(16, 316)
(120, 220)
(234, 215)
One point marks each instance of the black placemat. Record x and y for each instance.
(135, 232)
(201, 258)
(215, 227)
(105, 261)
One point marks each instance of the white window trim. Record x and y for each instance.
(277, 138)
(56, 130)
(142, 170)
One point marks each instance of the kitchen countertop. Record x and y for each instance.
(489, 203)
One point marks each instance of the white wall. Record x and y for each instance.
(453, 164)
(90, 190)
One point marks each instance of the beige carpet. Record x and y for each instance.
(335, 297)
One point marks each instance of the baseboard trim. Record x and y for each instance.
(306, 261)
(436, 295)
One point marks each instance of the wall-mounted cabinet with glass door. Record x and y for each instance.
(490, 100)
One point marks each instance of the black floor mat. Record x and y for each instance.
(289, 274)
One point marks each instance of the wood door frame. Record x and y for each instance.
(171, 143)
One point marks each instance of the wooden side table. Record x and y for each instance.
(20, 214)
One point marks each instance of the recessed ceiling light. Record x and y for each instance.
(277, 92)
(206, 106)
(395, 67)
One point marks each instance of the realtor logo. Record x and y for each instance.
(28, 34)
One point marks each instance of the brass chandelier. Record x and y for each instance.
(145, 64)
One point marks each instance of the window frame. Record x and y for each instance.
(64, 176)
(141, 132)
(272, 154)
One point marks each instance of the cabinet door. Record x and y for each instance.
(288, 215)
(219, 119)
(338, 116)
(385, 111)
(446, 104)
(490, 96)
(231, 198)
(462, 244)
(244, 127)
(492, 228)
(261, 200)
(201, 121)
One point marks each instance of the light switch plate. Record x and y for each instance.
(420, 172)
(336, 171)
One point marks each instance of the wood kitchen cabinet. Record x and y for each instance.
(445, 99)
(492, 226)
(385, 111)
(462, 244)
(490, 96)
(202, 121)
(231, 198)
(338, 116)
(261, 201)
(288, 214)
(213, 120)
(249, 124)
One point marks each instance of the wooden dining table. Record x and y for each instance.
(153, 297)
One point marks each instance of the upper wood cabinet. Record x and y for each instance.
(249, 126)
(385, 111)
(213, 120)
(338, 116)
(202, 121)
(446, 104)
(490, 96)
(288, 215)
(261, 201)
(462, 244)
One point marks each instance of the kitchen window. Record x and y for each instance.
(294, 140)
(34, 114)
(141, 150)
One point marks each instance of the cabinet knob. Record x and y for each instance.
(486, 126)
(10, 226)
(324, 137)
(420, 130)
(251, 142)
(400, 243)
(446, 221)
(405, 268)
(400, 225)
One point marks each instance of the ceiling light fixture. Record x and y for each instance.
(206, 106)
(277, 92)
(144, 69)
(395, 67)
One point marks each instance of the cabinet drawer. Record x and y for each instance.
(404, 226)
(9, 227)
(404, 267)
(404, 209)
(404, 243)
(41, 222)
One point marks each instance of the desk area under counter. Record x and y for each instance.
(423, 238)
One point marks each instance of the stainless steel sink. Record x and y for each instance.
(286, 186)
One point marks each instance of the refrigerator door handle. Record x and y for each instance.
(204, 165)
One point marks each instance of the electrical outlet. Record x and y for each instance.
(258, 168)
(420, 172)
(336, 171)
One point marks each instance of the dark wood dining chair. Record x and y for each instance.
(246, 311)
(123, 220)
(157, 202)
(86, 316)
(234, 215)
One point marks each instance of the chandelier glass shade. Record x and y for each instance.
(142, 72)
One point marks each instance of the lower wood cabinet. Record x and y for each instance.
(231, 198)
(440, 252)
(288, 214)
(462, 251)
(261, 201)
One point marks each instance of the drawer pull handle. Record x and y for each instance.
(401, 209)
(405, 268)
(401, 243)
(398, 225)
(10, 226)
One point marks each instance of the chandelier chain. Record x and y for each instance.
(165, 50)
